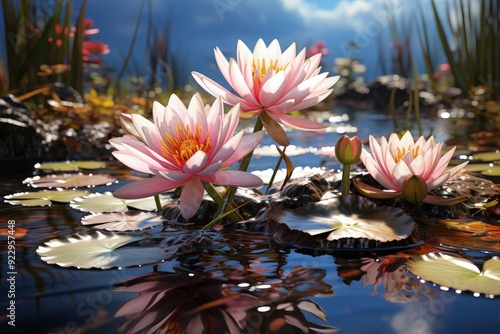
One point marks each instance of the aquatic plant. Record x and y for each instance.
(473, 28)
(395, 162)
(348, 152)
(270, 84)
(185, 147)
(36, 36)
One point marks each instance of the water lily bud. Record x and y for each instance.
(127, 125)
(348, 150)
(414, 189)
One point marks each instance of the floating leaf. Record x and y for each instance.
(69, 180)
(67, 166)
(458, 273)
(99, 249)
(44, 197)
(487, 156)
(485, 169)
(106, 202)
(348, 217)
(122, 221)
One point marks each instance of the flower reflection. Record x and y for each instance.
(194, 303)
(389, 272)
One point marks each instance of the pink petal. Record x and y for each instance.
(196, 163)
(274, 49)
(247, 144)
(239, 84)
(228, 148)
(222, 63)
(272, 89)
(399, 174)
(237, 178)
(417, 166)
(215, 89)
(191, 197)
(377, 172)
(172, 175)
(209, 171)
(305, 88)
(132, 162)
(145, 188)
(313, 99)
(297, 122)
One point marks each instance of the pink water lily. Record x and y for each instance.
(185, 147)
(394, 161)
(270, 83)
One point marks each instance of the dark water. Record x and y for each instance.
(238, 275)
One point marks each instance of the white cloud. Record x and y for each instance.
(352, 13)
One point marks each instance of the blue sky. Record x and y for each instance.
(198, 26)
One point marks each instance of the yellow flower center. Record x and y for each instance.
(184, 144)
(261, 67)
(402, 151)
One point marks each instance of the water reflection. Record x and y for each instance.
(186, 302)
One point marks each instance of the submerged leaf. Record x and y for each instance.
(99, 249)
(122, 221)
(348, 217)
(457, 273)
(106, 202)
(44, 197)
(69, 180)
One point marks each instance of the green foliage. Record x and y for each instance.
(39, 33)
(472, 46)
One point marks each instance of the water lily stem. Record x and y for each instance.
(346, 179)
(243, 167)
(275, 171)
(232, 214)
(246, 160)
(157, 201)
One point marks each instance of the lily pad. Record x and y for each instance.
(458, 273)
(69, 180)
(100, 249)
(44, 197)
(485, 169)
(348, 217)
(67, 166)
(106, 202)
(487, 156)
(122, 221)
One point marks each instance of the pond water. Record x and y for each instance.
(217, 279)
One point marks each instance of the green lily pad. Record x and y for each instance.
(106, 202)
(68, 166)
(44, 197)
(487, 156)
(485, 169)
(69, 180)
(122, 221)
(99, 249)
(348, 217)
(458, 273)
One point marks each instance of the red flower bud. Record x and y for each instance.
(348, 150)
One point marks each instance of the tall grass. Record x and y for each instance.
(39, 33)
(470, 37)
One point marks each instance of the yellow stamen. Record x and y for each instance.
(261, 67)
(402, 151)
(184, 144)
